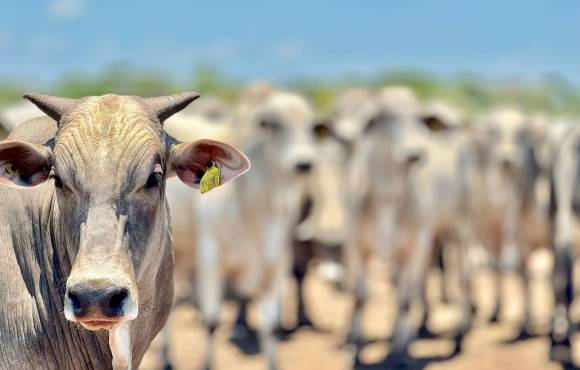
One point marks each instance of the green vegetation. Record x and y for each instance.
(550, 94)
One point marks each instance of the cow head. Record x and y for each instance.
(510, 139)
(286, 121)
(108, 164)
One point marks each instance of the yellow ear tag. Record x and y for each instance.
(11, 169)
(210, 179)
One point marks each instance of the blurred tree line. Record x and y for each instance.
(550, 94)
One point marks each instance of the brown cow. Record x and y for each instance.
(85, 230)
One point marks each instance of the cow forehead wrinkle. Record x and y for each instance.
(110, 144)
(110, 117)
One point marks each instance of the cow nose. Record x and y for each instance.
(303, 167)
(88, 301)
(506, 164)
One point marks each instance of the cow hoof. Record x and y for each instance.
(303, 320)
(241, 332)
(425, 333)
(283, 334)
(167, 366)
(562, 352)
(398, 360)
(246, 339)
(494, 318)
(525, 334)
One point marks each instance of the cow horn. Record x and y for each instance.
(166, 106)
(53, 106)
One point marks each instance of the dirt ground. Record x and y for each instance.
(488, 346)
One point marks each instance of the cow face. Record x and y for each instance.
(325, 222)
(286, 121)
(510, 139)
(108, 166)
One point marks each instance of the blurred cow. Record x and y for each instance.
(513, 218)
(565, 224)
(411, 178)
(248, 249)
(321, 233)
(12, 116)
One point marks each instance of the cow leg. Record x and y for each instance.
(242, 332)
(303, 319)
(270, 308)
(561, 333)
(409, 291)
(303, 254)
(495, 311)
(165, 355)
(467, 307)
(524, 324)
(440, 250)
(210, 289)
(424, 332)
(360, 294)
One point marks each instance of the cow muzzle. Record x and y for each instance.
(100, 304)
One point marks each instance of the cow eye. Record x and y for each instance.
(321, 132)
(153, 180)
(57, 181)
(271, 125)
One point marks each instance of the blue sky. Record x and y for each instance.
(277, 40)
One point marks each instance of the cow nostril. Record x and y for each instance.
(506, 164)
(303, 167)
(115, 306)
(75, 303)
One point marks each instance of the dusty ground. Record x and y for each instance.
(487, 346)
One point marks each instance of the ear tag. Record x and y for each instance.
(11, 169)
(210, 179)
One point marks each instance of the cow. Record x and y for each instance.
(410, 192)
(514, 216)
(85, 238)
(13, 115)
(564, 141)
(246, 244)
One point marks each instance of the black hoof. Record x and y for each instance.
(399, 360)
(245, 339)
(523, 334)
(303, 320)
(526, 334)
(425, 333)
(563, 355)
(167, 366)
(458, 344)
(494, 318)
(561, 350)
(283, 334)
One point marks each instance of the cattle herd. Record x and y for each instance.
(101, 233)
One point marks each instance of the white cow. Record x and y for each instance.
(513, 218)
(411, 180)
(248, 249)
(14, 115)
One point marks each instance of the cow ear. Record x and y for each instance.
(191, 161)
(24, 164)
